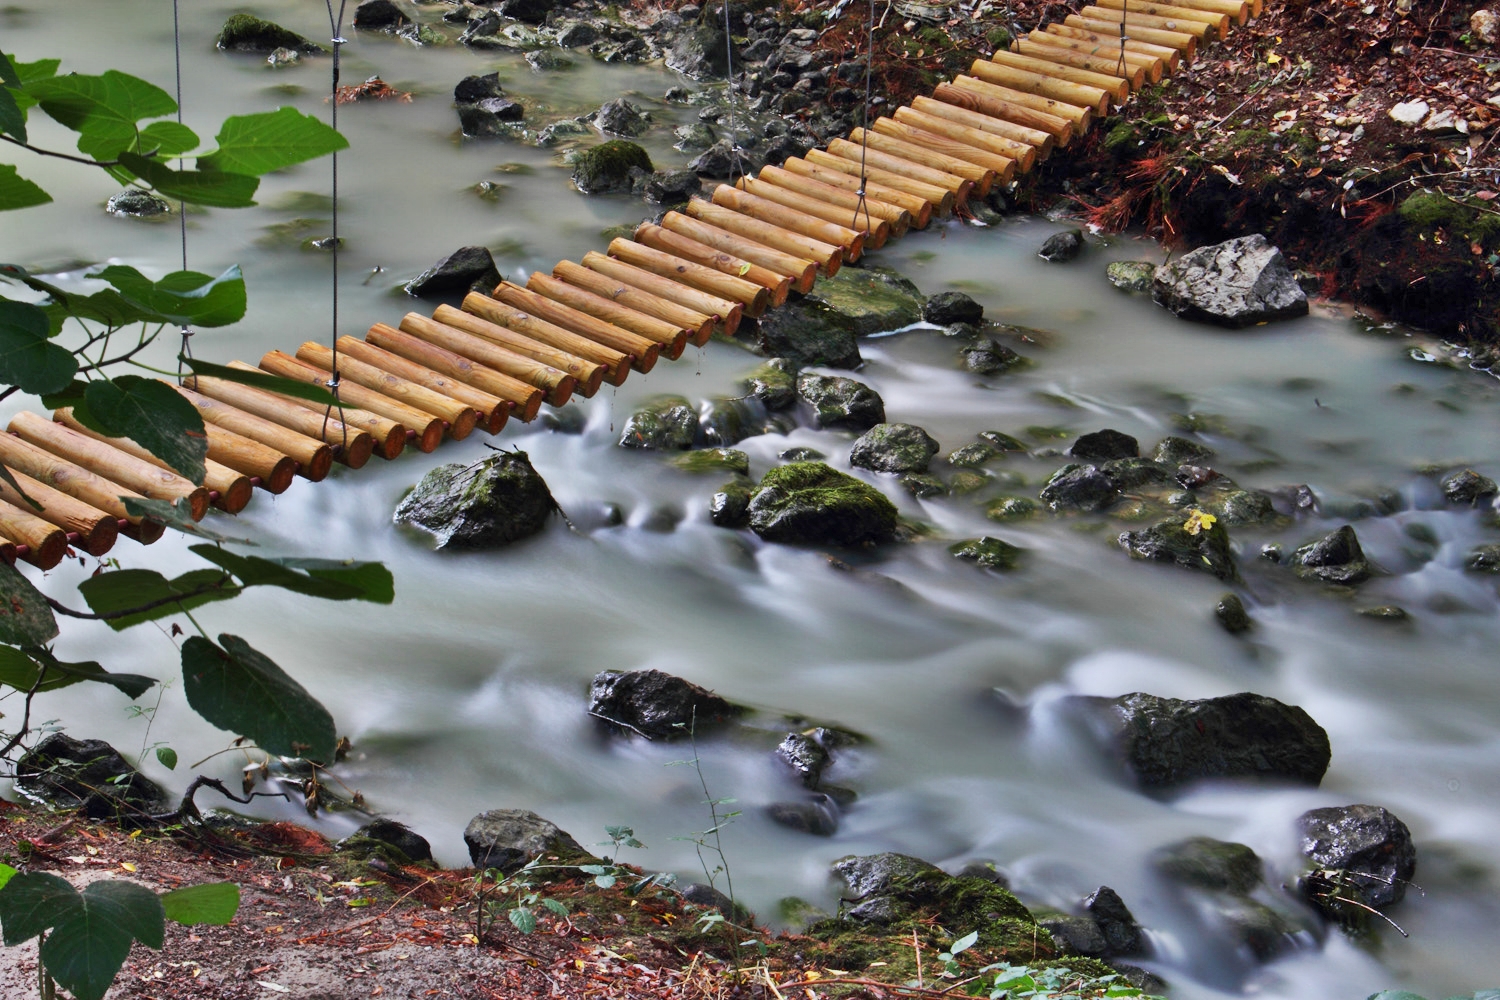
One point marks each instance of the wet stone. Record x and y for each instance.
(951, 307)
(972, 456)
(1468, 488)
(379, 15)
(1238, 283)
(1243, 507)
(1131, 275)
(1335, 558)
(666, 423)
(1002, 441)
(805, 756)
(818, 816)
(138, 204)
(1062, 247)
(988, 553)
(245, 33)
(412, 845)
(486, 505)
(1180, 451)
(1122, 935)
(801, 455)
(1215, 865)
(923, 486)
(730, 506)
(1362, 851)
(1080, 487)
(86, 774)
(774, 384)
(507, 839)
(620, 117)
(1194, 477)
(714, 460)
(1390, 613)
(893, 448)
(1133, 473)
(463, 269)
(1483, 559)
(1101, 446)
(989, 357)
(657, 705)
(1010, 509)
(841, 402)
(811, 503)
(607, 167)
(1231, 614)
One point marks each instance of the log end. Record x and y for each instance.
(101, 536)
(282, 472)
(428, 437)
(236, 496)
(355, 449)
(463, 423)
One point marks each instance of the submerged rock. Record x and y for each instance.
(1206, 863)
(379, 15)
(893, 448)
(841, 402)
(472, 89)
(988, 553)
(665, 423)
(620, 117)
(657, 705)
(1080, 487)
(486, 505)
(1231, 614)
(493, 116)
(1062, 247)
(1238, 283)
(1363, 853)
(730, 507)
(1131, 275)
(714, 460)
(1102, 446)
(806, 757)
(507, 839)
(774, 384)
(818, 815)
(1122, 934)
(951, 307)
(1335, 558)
(86, 774)
(869, 299)
(1242, 507)
(464, 269)
(1133, 473)
(1468, 488)
(1483, 559)
(989, 357)
(811, 503)
(606, 168)
(1173, 541)
(137, 203)
(1180, 451)
(807, 333)
(247, 33)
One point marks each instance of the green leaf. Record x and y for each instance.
(167, 757)
(12, 118)
(177, 515)
(262, 380)
(28, 358)
(85, 952)
(154, 415)
(196, 187)
(211, 903)
(334, 581)
(556, 907)
(523, 919)
(237, 688)
(257, 144)
(25, 618)
(122, 589)
(8, 74)
(103, 110)
(167, 138)
(964, 943)
(604, 881)
(105, 307)
(593, 869)
(31, 903)
(6, 871)
(20, 669)
(182, 296)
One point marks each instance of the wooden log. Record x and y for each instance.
(1080, 118)
(80, 484)
(9, 552)
(351, 445)
(229, 489)
(524, 397)
(700, 325)
(1029, 80)
(777, 214)
(1184, 44)
(113, 464)
(726, 311)
(598, 318)
(460, 418)
(558, 385)
(1041, 143)
(229, 430)
(800, 271)
(387, 435)
(1117, 87)
(826, 167)
(997, 107)
(828, 256)
(494, 412)
(1156, 64)
(754, 298)
(95, 530)
(874, 159)
(1170, 57)
(918, 210)
(952, 140)
(587, 360)
(777, 285)
(39, 542)
(1238, 10)
(1136, 21)
(427, 430)
(826, 204)
(1121, 63)
(621, 352)
(1217, 22)
(983, 178)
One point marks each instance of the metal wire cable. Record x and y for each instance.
(336, 28)
(864, 130)
(187, 331)
(734, 146)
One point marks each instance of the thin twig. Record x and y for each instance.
(61, 156)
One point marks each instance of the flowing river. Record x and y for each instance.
(470, 691)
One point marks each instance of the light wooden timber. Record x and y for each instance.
(937, 198)
(699, 324)
(615, 361)
(95, 530)
(1132, 66)
(721, 310)
(600, 318)
(460, 418)
(558, 385)
(877, 229)
(9, 552)
(1041, 142)
(800, 270)
(828, 256)
(1217, 22)
(777, 285)
(494, 412)
(352, 446)
(918, 209)
(983, 178)
(80, 484)
(526, 398)
(389, 436)
(752, 298)
(851, 240)
(1001, 108)
(1185, 44)
(1171, 57)
(312, 457)
(1118, 88)
(427, 429)
(39, 542)
(1029, 80)
(941, 142)
(475, 319)
(1079, 116)
(1135, 21)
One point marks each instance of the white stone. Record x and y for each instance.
(1486, 26)
(1410, 112)
(1440, 121)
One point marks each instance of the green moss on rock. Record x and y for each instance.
(607, 166)
(812, 503)
(248, 33)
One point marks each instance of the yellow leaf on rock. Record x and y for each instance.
(1198, 520)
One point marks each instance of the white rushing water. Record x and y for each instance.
(469, 693)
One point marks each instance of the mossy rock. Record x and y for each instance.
(485, 505)
(774, 384)
(1336, 558)
(988, 553)
(1002, 441)
(1243, 507)
(248, 33)
(606, 168)
(1206, 863)
(730, 506)
(714, 460)
(812, 503)
(1011, 509)
(665, 423)
(1171, 541)
(923, 485)
(972, 456)
(869, 299)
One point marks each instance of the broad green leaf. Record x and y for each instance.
(593, 869)
(19, 668)
(167, 138)
(6, 874)
(32, 903)
(8, 74)
(523, 919)
(237, 688)
(155, 416)
(103, 109)
(167, 757)
(334, 581)
(196, 187)
(12, 118)
(182, 296)
(604, 881)
(964, 943)
(106, 307)
(260, 143)
(123, 589)
(177, 515)
(211, 903)
(17, 192)
(28, 358)
(25, 618)
(85, 952)
(262, 380)
(556, 907)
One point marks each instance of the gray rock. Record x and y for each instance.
(1002, 441)
(411, 845)
(1010, 509)
(1194, 477)
(1062, 247)
(1335, 558)
(1080, 487)
(1238, 283)
(1076, 935)
(893, 448)
(464, 269)
(1131, 275)
(473, 89)
(973, 456)
(246, 33)
(657, 705)
(924, 486)
(493, 116)
(988, 553)
(952, 307)
(1362, 852)
(714, 460)
(1101, 446)
(606, 168)
(719, 160)
(560, 130)
(576, 33)
(486, 505)
(774, 384)
(807, 333)
(1468, 488)
(1133, 473)
(1231, 614)
(548, 61)
(620, 117)
(1241, 506)
(730, 506)
(507, 839)
(86, 774)
(724, 422)
(818, 816)
(1167, 742)
(379, 15)
(807, 758)
(869, 299)
(665, 423)
(672, 187)
(529, 11)
(989, 357)
(137, 203)
(1483, 559)
(1180, 451)
(1214, 865)
(693, 136)
(1170, 541)
(700, 53)
(281, 58)
(841, 402)
(782, 148)
(1122, 935)
(892, 888)
(813, 504)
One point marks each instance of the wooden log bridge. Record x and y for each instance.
(736, 253)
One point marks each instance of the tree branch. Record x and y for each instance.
(61, 156)
(212, 588)
(15, 741)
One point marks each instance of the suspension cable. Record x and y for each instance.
(864, 122)
(734, 146)
(336, 28)
(186, 350)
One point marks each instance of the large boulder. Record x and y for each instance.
(247, 33)
(665, 423)
(812, 504)
(893, 448)
(806, 333)
(508, 839)
(1080, 487)
(841, 402)
(1334, 558)
(528, 11)
(1062, 247)
(379, 15)
(382, 836)
(1168, 742)
(606, 168)
(1363, 854)
(464, 269)
(493, 116)
(620, 117)
(700, 53)
(657, 705)
(1237, 283)
(86, 774)
(946, 308)
(888, 891)
(1191, 544)
(485, 505)
(869, 299)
